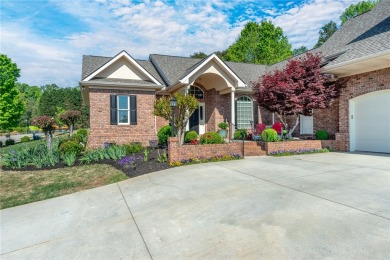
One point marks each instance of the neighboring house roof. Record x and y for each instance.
(365, 35)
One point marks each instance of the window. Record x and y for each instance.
(244, 112)
(196, 92)
(123, 109)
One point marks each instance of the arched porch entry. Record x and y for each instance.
(215, 95)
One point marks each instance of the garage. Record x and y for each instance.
(370, 122)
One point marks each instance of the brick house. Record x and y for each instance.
(121, 90)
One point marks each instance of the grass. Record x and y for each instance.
(22, 187)
(6, 149)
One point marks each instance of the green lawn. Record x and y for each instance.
(6, 149)
(21, 187)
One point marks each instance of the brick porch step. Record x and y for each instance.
(252, 148)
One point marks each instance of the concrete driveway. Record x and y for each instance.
(334, 206)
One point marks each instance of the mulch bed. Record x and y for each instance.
(140, 167)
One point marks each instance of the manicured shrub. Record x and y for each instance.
(211, 138)
(223, 125)
(269, 135)
(9, 142)
(190, 136)
(163, 134)
(82, 132)
(71, 146)
(25, 139)
(133, 148)
(240, 134)
(322, 135)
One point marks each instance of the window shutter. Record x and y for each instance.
(133, 110)
(113, 110)
(255, 113)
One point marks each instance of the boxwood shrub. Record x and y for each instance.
(322, 135)
(163, 134)
(211, 138)
(9, 142)
(269, 135)
(190, 136)
(25, 139)
(71, 146)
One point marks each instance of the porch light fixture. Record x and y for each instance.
(173, 104)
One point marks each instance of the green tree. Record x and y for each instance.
(261, 44)
(31, 95)
(299, 50)
(200, 55)
(186, 105)
(325, 32)
(11, 104)
(357, 9)
(221, 54)
(54, 98)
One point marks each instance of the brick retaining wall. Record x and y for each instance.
(178, 153)
(290, 145)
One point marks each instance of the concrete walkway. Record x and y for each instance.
(334, 206)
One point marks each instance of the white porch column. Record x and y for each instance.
(232, 113)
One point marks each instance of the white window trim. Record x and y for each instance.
(197, 88)
(128, 109)
(239, 127)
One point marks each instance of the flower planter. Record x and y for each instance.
(223, 133)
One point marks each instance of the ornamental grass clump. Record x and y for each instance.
(240, 134)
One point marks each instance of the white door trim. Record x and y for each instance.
(202, 119)
(351, 123)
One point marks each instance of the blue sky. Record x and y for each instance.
(48, 38)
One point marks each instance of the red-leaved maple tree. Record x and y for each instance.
(297, 89)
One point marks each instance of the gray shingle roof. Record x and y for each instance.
(92, 63)
(363, 35)
(172, 67)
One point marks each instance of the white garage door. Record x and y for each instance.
(370, 122)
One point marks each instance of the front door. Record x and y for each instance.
(196, 121)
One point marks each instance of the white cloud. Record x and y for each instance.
(302, 23)
(141, 28)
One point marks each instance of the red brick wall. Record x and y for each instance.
(291, 145)
(100, 129)
(178, 153)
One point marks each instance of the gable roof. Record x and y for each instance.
(191, 71)
(122, 54)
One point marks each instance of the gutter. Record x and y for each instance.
(349, 62)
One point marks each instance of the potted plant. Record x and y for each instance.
(223, 132)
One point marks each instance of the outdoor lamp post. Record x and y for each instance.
(173, 104)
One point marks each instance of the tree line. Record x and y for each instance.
(20, 102)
